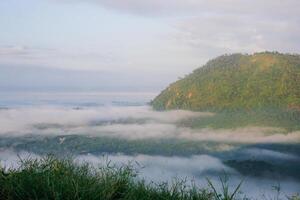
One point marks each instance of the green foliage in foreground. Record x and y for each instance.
(50, 178)
(62, 179)
(237, 81)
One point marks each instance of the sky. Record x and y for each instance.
(134, 45)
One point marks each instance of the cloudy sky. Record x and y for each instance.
(115, 44)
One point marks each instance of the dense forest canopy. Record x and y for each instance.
(237, 81)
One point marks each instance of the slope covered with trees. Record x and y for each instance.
(237, 81)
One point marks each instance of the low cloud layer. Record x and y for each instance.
(12, 160)
(128, 123)
(20, 120)
(194, 168)
(160, 168)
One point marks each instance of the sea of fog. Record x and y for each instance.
(71, 119)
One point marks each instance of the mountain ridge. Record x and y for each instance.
(237, 81)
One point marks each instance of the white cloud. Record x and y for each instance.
(225, 26)
(212, 28)
(129, 123)
(201, 30)
(194, 7)
(20, 120)
(219, 34)
(170, 36)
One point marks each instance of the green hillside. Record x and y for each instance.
(233, 82)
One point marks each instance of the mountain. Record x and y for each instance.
(237, 81)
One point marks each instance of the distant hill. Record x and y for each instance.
(237, 81)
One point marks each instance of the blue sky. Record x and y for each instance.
(150, 42)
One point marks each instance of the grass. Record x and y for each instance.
(50, 178)
(55, 179)
(225, 194)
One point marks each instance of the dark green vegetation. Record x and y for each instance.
(78, 144)
(260, 168)
(287, 121)
(262, 89)
(50, 178)
(237, 81)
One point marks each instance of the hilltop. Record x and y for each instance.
(237, 81)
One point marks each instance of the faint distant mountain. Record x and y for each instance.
(36, 78)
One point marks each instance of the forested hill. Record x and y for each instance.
(237, 81)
